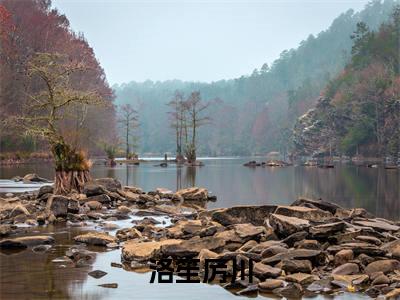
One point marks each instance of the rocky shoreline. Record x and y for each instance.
(310, 247)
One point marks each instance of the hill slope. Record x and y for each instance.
(359, 112)
(256, 113)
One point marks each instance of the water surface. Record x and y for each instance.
(375, 189)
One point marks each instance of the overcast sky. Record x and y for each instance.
(195, 40)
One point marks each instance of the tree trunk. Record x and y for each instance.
(69, 181)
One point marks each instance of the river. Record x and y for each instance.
(375, 189)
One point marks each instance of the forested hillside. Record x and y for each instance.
(359, 112)
(28, 27)
(255, 113)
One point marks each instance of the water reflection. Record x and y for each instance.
(376, 189)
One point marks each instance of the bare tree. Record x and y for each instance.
(178, 122)
(195, 108)
(52, 103)
(128, 118)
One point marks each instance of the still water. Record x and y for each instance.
(375, 189)
(29, 275)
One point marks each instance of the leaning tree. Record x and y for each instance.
(52, 102)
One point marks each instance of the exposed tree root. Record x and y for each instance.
(69, 181)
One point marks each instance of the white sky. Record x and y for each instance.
(195, 40)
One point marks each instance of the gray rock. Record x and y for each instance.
(92, 189)
(58, 205)
(45, 189)
(26, 241)
(110, 184)
(97, 274)
(253, 214)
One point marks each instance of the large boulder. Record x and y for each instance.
(193, 193)
(306, 213)
(143, 251)
(253, 214)
(26, 241)
(326, 206)
(93, 189)
(284, 225)
(59, 205)
(110, 184)
(95, 238)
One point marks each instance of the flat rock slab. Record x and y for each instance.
(326, 230)
(327, 206)
(358, 248)
(301, 212)
(270, 284)
(301, 278)
(192, 247)
(246, 231)
(95, 238)
(254, 214)
(285, 225)
(378, 225)
(26, 241)
(143, 251)
(292, 254)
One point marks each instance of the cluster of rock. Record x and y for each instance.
(269, 163)
(306, 248)
(102, 200)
